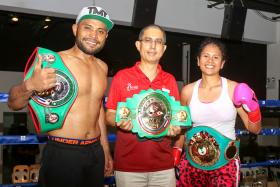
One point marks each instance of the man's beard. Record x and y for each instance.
(85, 50)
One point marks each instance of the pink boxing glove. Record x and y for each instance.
(245, 96)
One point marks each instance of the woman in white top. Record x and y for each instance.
(211, 145)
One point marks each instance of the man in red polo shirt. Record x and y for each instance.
(140, 161)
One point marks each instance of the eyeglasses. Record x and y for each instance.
(150, 41)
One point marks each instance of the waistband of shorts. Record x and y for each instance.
(72, 141)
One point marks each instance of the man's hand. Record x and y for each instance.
(125, 125)
(108, 170)
(42, 78)
(174, 131)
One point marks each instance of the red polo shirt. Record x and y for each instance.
(131, 154)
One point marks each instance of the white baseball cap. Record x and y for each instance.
(95, 12)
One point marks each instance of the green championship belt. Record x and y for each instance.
(151, 112)
(207, 149)
(49, 108)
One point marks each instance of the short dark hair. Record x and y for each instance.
(216, 42)
(152, 26)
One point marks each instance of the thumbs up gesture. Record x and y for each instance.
(42, 78)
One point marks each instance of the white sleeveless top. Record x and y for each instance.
(220, 114)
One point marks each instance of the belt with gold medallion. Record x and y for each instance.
(207, 149)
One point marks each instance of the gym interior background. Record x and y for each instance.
(247, 61)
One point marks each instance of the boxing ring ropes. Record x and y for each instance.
(41, 139)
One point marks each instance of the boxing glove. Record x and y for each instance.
(244, 96)
(177, 155)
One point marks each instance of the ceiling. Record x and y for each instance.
(272, 6)
(19, 39)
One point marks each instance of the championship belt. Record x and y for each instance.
(49, 108)
(151, 112)
(207, 149)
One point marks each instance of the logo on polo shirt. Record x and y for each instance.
(166, 90)
(131, 87)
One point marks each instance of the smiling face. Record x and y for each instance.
(151, 45)
(90, 35)
(210, 60)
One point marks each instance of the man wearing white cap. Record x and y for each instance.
(64, 93)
